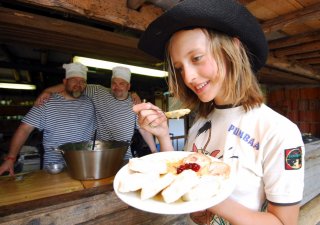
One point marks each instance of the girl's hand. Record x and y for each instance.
(152, 119)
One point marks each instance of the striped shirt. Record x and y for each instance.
(62, 121)
(115, 118)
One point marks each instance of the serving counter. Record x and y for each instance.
(41, 198)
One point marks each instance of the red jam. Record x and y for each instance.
(188, 166)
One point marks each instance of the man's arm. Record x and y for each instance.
(18, 139)
(46, 93)
(148, 137)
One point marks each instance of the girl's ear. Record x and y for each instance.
(236, 42)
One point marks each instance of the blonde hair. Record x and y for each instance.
(240, 84)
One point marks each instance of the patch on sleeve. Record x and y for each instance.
(293, 158)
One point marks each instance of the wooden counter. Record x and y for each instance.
(42, 198)
(36, 185)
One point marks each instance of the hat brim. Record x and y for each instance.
(226, 16)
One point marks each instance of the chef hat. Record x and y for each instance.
(75, 70)
(121, 72)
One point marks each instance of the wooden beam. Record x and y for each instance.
(314, 54)
(310, 60)
(55, 34)
(273, 75)
(299, 16)
(297, 49)
(113, 12)
(293, 67)
(294, 40)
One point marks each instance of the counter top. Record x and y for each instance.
(60, 199)
(40, 184)
(43, 198)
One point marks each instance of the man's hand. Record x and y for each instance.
(135, 98)
(7, 165)
(42, 98)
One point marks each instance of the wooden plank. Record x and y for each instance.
(36, 185)
(133, 216)
(269, 74)
(297, 49)
(294, 40)
(312, 171)
(104, 208)
(293, 67)
(38, 204)
(40, 31)
(69, 212)
(299, 16)
(111, 11)
(310, 212)
(97, 183)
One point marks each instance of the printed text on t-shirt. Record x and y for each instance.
(244, 136)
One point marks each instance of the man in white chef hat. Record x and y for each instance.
(120, 82)
(120, 86)
(76, 79)
(113, 107)
(66, 116)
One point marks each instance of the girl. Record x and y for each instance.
(213, 48)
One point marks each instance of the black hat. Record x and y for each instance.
(225, 16)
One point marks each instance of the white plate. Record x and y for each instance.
(179, 207)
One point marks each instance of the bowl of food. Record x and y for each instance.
(54, 168)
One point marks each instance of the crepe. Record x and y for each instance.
(176, 114)
(181, 185)
(148, 166)
(135, 181)
(219, 169)
(156, 185)
(207, 188)
(193, 177)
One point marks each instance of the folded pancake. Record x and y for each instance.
(144, 165)
(208, 187)
(154, 186)
(219, 169)
(181, 185)
(176, 114)
(135, 181)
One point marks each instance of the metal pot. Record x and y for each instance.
(87, 162)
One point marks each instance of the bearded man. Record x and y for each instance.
(67, 116)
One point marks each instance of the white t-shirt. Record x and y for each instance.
(266, 146)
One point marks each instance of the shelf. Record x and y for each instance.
(12, 110)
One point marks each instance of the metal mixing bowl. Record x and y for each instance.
(103, 161)
(54, 168)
